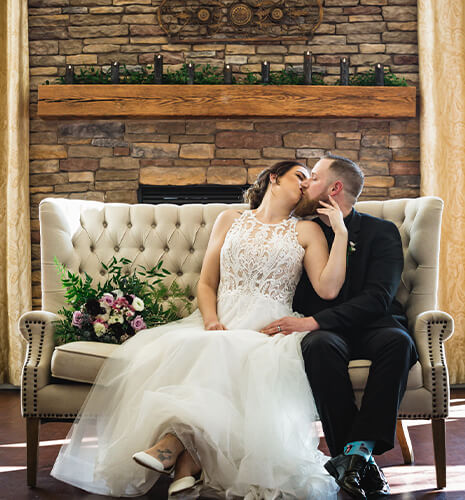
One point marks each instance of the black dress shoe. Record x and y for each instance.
(374, 483)
(348, 471)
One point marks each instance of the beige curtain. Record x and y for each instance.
(15, 253)
(441, 37)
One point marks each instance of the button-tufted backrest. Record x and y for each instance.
(419, 224)
(84, 234)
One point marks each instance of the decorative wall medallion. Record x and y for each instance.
(240, 14)
(277, 14)
(239, 21)
(204, 15)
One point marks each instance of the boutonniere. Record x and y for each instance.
(351, 248)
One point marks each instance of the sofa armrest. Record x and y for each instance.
(38, 330)
(432, 329)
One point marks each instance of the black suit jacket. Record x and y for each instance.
(366, 299)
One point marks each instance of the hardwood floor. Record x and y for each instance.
(407, 482)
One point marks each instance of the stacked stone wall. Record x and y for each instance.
(107, 159)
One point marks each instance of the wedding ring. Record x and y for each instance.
(279, 328)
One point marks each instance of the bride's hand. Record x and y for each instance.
(214, 325)
(334, 214)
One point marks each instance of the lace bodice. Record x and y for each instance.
(261, 259)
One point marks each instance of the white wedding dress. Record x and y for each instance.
(239, 400)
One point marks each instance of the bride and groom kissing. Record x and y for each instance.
(230, 395)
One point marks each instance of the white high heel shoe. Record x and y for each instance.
(150, 462)
(184, 484)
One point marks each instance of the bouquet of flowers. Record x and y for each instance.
(117, 309)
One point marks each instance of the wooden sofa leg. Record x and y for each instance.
(405, 443)
(32, 437)
(439, 441)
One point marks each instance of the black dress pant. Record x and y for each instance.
(327, 354)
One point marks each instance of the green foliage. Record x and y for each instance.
(317, 79)
(208, 75)
(89, 76)
(161, 303)
(99, 76)
(250, 79)
(287, 76)
(203, 75)
(368, 79)
(136, 76)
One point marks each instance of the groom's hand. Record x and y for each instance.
(289, 324)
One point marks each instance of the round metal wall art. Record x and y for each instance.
(277, 14)
(240, 14)
(203, 15)
(210, 21)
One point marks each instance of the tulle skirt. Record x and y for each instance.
(238, 400)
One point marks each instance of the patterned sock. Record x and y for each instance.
(362, 448)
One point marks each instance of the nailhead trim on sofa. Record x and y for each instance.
(27, 369)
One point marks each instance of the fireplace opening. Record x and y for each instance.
(195, 193)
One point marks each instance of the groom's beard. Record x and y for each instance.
(306, 207)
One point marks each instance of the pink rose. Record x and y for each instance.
(121, 302)
(107, 299)
(78, 317)
(138, 323)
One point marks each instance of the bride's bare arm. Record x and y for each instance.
(326, 272)
(210, 273)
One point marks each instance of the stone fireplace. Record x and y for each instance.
(108, 159)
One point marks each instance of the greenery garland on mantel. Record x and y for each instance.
(208, 75)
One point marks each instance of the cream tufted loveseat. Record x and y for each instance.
(83, 234)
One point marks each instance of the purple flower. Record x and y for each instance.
(107, 299)
(78, 317)
(138, 323)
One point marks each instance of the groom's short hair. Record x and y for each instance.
(350, 173)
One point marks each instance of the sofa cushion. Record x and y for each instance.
(360, 368)
(80, 361)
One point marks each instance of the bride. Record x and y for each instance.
(215, 394)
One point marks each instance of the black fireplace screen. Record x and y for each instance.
(181, 195)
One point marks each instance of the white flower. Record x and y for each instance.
(116, 318)
(138, 304)
(104, 317)
(118, 293)
(106, 307)
(99, 329)
(351, 248)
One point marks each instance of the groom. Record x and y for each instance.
(364, 322)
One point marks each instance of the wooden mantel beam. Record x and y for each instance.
(224, 101)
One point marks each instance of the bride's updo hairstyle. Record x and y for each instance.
(254, 195)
